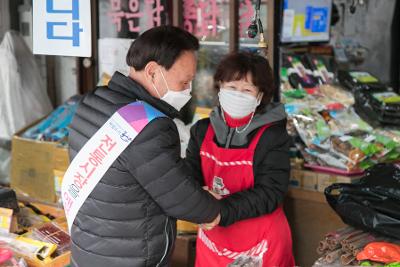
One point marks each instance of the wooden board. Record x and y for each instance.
(310, 218)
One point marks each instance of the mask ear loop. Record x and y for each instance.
(165, 81)
(154, 87)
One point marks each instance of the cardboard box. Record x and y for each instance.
(186, 227)
(309, 180)
(325, 180)
(32, 166)
(296, 178)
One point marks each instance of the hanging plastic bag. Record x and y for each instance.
(5, 159)
(23, 98)
(372, 204)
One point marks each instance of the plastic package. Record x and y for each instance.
(52, 233)
(325, 158)
(336, 93)
(311, 127)
(7, 258)
(353, 148)
(297, 74)
(381, 105)
(55, 126)
(348, 121)
(28, 248)
(380, 252)
(247, 261)
(356, 80)
(27, 217)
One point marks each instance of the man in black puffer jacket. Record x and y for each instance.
(129, 218)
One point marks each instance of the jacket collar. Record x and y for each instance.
(130, 87)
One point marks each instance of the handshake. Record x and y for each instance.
(211, 225)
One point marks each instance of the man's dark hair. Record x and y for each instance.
(162, 44)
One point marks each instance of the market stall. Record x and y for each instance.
(342, 105)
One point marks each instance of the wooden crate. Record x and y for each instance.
(185, 251)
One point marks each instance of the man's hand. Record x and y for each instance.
(211, 225)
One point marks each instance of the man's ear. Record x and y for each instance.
(150, 69)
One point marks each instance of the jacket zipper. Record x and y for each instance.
(230, 136)
(167, 242)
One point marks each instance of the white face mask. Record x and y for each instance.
(238, 104)
(177, 99)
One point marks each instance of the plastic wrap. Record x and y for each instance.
(23, 95)
(348, 121)
(55, 126)
(52, 233)
(373, 203)
(380, 106)
(337, 94)
(28, 248)
(247, 261)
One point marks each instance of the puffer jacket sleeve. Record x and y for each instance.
(193, 160)
(154, 160)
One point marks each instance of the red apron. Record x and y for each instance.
(268, 237)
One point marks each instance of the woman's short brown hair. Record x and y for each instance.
(235, 66)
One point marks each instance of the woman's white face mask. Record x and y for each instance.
(238, 104)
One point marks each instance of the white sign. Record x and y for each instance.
(62, 27)
(112, 55)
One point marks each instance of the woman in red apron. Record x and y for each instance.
(241, 154)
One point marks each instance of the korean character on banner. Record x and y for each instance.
(89, 170)
(116, 14)
(74, 9)
(208, 20)
(153, 12)
(99, 153)
(96, 158)
(67, 203)
(108, 142)
(134, 13)
(189, 15)
(245, 17)
(79, 179)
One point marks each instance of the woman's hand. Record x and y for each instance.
(212, 193)
(210, 226)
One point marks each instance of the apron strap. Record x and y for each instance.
(210, 133)
(258, 135)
